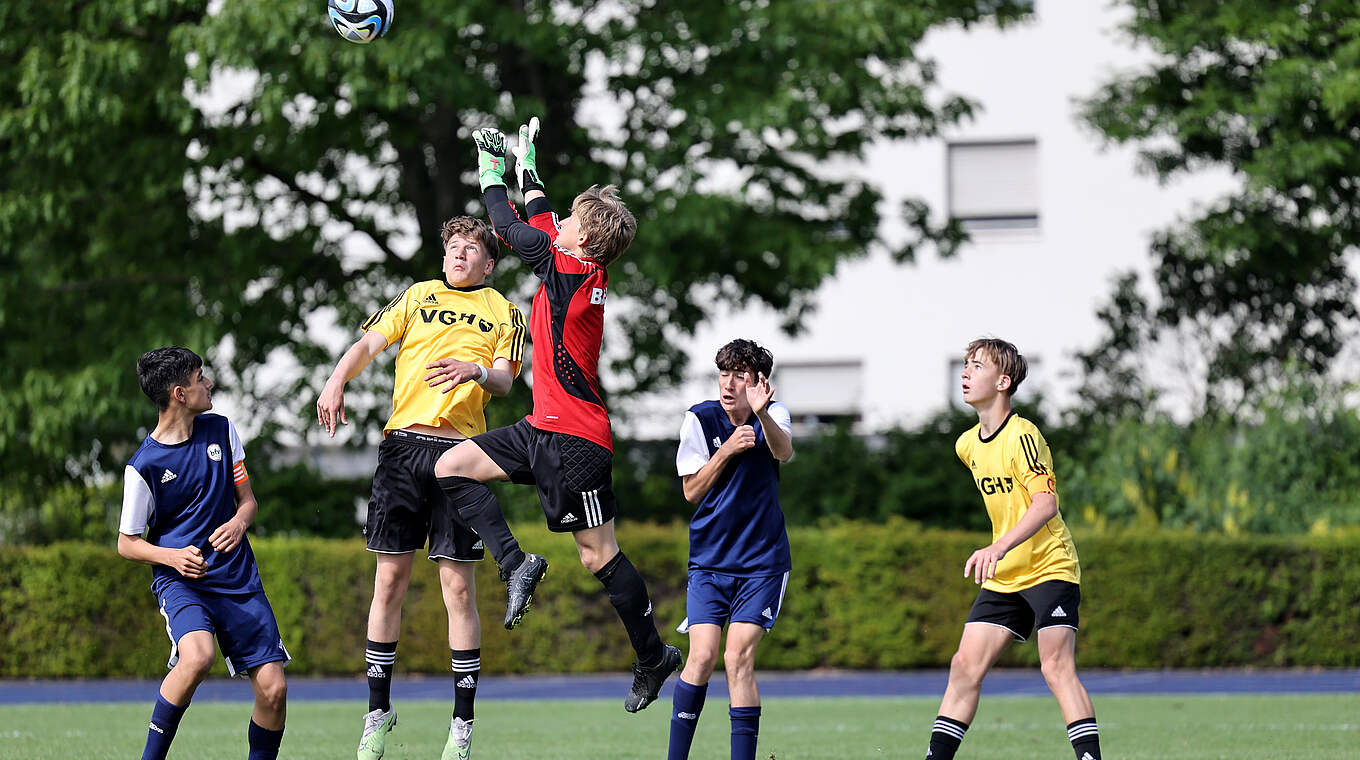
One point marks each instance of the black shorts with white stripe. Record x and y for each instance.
(1049, 604)
(574, 476)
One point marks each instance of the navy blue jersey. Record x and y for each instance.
(738, 528)
(180, 493)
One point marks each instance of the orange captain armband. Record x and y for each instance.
(239, 474)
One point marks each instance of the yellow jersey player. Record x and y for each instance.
(1029, 574)
(475, 338)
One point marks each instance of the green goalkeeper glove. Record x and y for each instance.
(490, 157)
(526, 161)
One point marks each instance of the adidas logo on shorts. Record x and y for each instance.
(1058, 612)
(568, 517)
(768, 615)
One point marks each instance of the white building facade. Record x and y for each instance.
(1054, 215)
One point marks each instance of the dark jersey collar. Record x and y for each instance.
(467, 289)
(995, 433)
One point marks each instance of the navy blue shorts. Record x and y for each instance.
(721, 599)
(243, 623)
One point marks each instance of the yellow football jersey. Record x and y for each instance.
(1008, 468)
(434, 321)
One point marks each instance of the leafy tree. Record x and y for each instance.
(1265, 275)
(235, 177)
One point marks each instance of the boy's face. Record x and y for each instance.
(982, 380)
(732, 392)
(197, 393)
(569, 234)
(466, 263)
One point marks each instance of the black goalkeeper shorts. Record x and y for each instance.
(574, 476)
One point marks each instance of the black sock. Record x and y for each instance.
(628, 594)
(478, 507)
(381, 657)
(945, 738)
(467, 667)
(1085, 738)
(264, 742)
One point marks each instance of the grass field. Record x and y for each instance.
(1316, 727)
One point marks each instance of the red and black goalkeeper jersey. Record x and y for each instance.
(566, 323)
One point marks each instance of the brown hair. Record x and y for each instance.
(1004, 355)
(742, 355)
(473, 228)
(608, 224)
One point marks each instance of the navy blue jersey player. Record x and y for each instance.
(187, 503)
(728, 461)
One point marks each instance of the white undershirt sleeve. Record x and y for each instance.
(693, 452)
(781, 416)
(238, 451)
(138, 503)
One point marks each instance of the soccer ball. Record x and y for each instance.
(360, 21)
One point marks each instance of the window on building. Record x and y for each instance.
(994, 185)
(821, 393)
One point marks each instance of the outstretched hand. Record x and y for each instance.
(490, 157)
(526, 157)
(758, 391)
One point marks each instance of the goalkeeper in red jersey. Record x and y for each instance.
(564, 447)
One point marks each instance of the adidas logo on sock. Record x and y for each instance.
(1058, 612)
(376, 671)
(768, 615)
(1086, 756)
(468, 682)
(168, 476)
(157, 728)
(686, 716)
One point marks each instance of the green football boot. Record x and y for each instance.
(459, 745)
(373, 743)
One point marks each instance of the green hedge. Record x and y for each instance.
(861, 596)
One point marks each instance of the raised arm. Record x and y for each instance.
(532, 245)
(777, 430)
